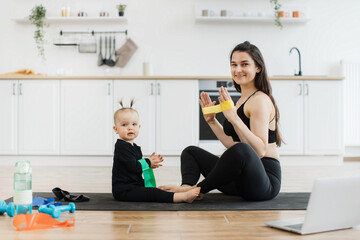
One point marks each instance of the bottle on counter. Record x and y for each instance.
(23, 187)
(65, 11)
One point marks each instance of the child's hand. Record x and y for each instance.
(155, 160)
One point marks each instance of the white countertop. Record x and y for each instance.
(5, 77)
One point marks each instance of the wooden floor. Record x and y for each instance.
(165, 225)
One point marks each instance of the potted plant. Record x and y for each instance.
(121, 9)
(277, 7)
(37, 17)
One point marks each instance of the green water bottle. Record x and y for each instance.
(23, 187)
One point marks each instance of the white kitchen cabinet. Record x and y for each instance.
(177, 116)
(30, 119)
(86, 117)
(8, 120)
(310, 116)
(143, 92)
(168, 112)
(38, 117)
(323, 117)
(289, 99)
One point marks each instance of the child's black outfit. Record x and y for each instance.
(127, 181)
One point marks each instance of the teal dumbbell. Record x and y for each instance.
(55, 211)
(8, 208)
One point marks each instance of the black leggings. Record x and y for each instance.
(145, 194)
(239, 171)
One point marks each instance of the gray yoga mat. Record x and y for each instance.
(210, 202)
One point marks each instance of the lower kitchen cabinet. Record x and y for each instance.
(8, 120)
(75, 117)
(38, 117)
(30, 117)
(86, 117)
(168, 112)
(177, 116)
(143, 93)
(310, 116)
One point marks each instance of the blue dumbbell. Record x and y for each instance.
(8, 208)
(55, 211)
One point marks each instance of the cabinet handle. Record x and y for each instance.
(14, 85)
(152, 89)
(300, 89)
(20, 86)
(158, 89)
(109, 89)
(306, 90)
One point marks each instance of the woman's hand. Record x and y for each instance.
(155, 160)
(205, 101)
(230, 114)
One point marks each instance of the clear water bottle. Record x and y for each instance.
(23, 187)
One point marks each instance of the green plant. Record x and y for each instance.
(37, 17)
(277, 7)
(121, 7)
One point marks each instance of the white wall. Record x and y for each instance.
(167, 34)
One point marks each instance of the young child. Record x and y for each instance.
(127, 182)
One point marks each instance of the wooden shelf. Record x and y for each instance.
(251, 19)
(76, 20)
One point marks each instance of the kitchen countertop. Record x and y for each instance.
(23, 77)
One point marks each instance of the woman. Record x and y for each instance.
(250, 166)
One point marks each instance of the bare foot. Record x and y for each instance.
(188, 196)
(176, 189)
(200, 197)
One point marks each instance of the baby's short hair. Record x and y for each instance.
(124, 109)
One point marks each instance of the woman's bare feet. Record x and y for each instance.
(200, 197)
(176, 189)
(188, 196)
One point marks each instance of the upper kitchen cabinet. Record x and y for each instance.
(168, 115)
(31, 116)
(8, 120)
(86, 117)
(310, 116)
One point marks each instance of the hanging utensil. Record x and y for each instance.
(109, 62)
(100, 57)
(113, 56)
(106, 50)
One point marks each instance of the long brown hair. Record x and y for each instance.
(262, 82)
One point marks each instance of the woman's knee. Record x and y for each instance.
(241, 150)
(188, 149)
(191, 150)
(187, 153)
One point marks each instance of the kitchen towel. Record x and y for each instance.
(210, 202)
(125, 52)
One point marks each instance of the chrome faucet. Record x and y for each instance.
(299, 74)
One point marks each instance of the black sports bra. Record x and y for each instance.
(230, 131)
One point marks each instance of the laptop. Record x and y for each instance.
(334, 204)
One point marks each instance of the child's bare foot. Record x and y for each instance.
(188, 196)
(176, 189)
